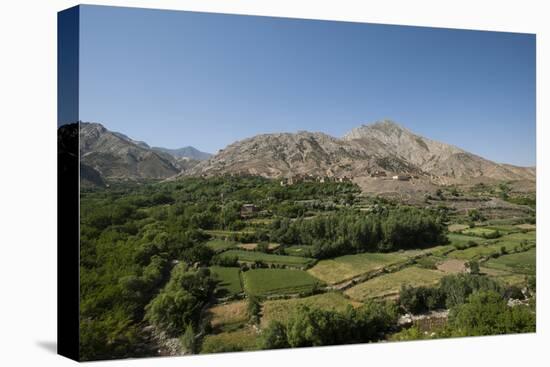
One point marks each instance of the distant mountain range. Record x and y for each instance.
(105, 154)
(364, 151)
(382, 146)
(185, 152)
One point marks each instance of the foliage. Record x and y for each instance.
(352, 232)
(315, 327)
(486, 313)
(179, 303)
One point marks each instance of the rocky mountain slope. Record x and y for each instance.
(189, 153)
(382, 146)
(115, 156)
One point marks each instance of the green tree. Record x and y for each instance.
(187, 340)
(486, 313)
(274, 336)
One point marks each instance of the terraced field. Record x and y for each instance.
(281, 310)
(509, 242)
(219, 245)
(522, 262)
(346, 267)
(228, 317)
(264, 282)
(230, 282)
(390, 284)
(251, 256)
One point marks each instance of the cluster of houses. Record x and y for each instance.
(292, 180)
(401, 177)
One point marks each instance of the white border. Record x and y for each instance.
(28, 166)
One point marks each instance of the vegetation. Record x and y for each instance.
(314, 327)
(171, 255)
(229, 281)
(257, 256)
(346, 267)
(281, 310)
(390, 284)
(262, 282)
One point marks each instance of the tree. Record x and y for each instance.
(486, 313)
(253, 309)
(187, 340)
(274, 336)
(473, 267)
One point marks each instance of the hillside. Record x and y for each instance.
(114, 156)
(382, 146)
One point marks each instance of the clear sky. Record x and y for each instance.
(175, 78)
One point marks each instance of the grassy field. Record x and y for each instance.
(461, 239)
(479, 231)
(230, 282)
(522, 262)
(251, 256)
(297, 250)
(264, 282)
(242, 339)
(280, 310)
(228, 317)
(219, 245)
(390, 284)
(346, 267)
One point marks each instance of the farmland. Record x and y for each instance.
(252, 256)
(263, 282)
(193, 267)
(389, 284)
(346, 267)
(229, 280)
(280, 310)
(523, 262)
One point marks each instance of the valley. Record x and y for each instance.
(294, 240)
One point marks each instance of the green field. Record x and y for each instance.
(522, 262)
(263, 282)
(510, 242)
(461, 239)
(479, 232)
(251, 256)
(346, 267)
(230, 282)
(297, 250)
(219, 245)
(280, 310)
(390, 284)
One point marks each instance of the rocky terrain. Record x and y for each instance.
(111, 155)
(370, 155)
(382, 146)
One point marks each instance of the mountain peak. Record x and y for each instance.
(379, 128)
(386, 125)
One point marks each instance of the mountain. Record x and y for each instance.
(382, 146)
(185, 152)
(115, 156)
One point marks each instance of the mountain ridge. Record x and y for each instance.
(380, 146)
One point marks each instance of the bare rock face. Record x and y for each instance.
(382, 146)
(114, 156)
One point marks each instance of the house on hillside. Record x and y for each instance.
(248, 210)
(401, 177)
(378, 173)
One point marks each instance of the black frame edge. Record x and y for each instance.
(68, 184)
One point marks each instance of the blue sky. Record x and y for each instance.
(175, 78)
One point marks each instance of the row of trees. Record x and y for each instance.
(316, 327)
(353, 232)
